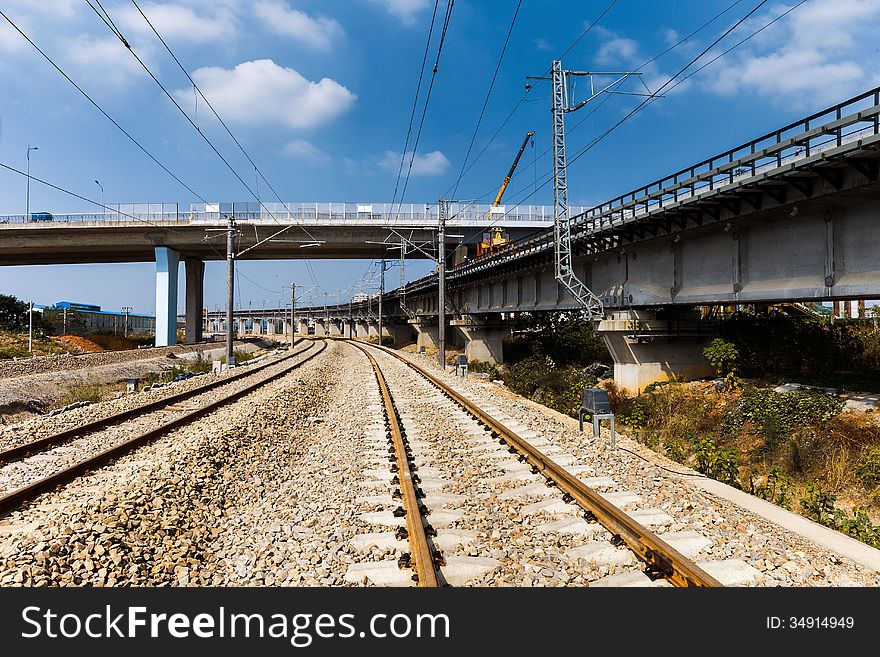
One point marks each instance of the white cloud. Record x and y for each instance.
(305, 150)
(262, 92)
(105, 62)
(404, 10)
(427, 164)
(278, 17)
(179, 23)
(542, 44)
(52, 8)
(10, 40)
(617, 50)
(816, 55)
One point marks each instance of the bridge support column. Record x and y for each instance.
(334, 329)
(320, 328)
(167, 261)
(484, 338)
(361, 330)
(302, 326)
(647, 350)
(427, 333)
(195, 296)
(400, 334)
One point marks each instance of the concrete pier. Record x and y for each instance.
(167, 261)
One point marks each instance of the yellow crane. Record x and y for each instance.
(497, 238)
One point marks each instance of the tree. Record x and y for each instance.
(13, 313)
(722, 355)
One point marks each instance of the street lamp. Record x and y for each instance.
(28, 202)
(102, 195)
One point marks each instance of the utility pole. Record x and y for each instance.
(126, 310)
(31, 328)
(564, 267)
(28, 200)
(441, 282)
(381, 294)
(292, 305)
(230, 285)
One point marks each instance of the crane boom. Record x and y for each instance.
(529, 135)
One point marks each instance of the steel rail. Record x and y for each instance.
(657, 553)
(20, 496)
(21, 451)
(423, 558)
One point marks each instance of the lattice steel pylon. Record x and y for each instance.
(565, 272)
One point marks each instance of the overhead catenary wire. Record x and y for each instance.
(415, 102)
(86, 199)
(101, 109)
(528, 90)
(207, 140)
(488, 96)
(198, 90)
(650, 99)
(449, 6)
(107, 20)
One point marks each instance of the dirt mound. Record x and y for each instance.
(98, 343)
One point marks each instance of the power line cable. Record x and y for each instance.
(528, 90)
(223, 159)
(649, 100)
(415, 102)
(488, 95)
(88, 200)
(210, 106)
(449, 6)
(641, 67)
(101, 109)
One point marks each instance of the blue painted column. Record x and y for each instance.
(167, 261)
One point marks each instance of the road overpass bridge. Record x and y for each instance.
(167, 234)
(793, 215)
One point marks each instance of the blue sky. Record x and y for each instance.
(320, 92)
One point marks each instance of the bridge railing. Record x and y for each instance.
(831, 128)
(417, 215)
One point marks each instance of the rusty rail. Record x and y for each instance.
(20, 496)
(661, 557)
(422, 556)
(61, 437)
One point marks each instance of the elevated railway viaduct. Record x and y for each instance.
(789, 216)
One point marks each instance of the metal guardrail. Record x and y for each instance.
(798, 145)
(838, 125)
(419, 215)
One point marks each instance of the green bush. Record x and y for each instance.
(868, 470)
(722, 355)
(714, 462)
(83, 391)
(776, 489)
(777, 414)
(484, 367)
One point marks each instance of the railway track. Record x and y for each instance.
(661, 560)
(154, 413)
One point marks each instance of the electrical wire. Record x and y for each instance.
(647, 101)
(88, 200)
(415, 102)
(488, 95)
(187, 116)
(528, 90)
(101, 109)
(449, 6)
(197, 89)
